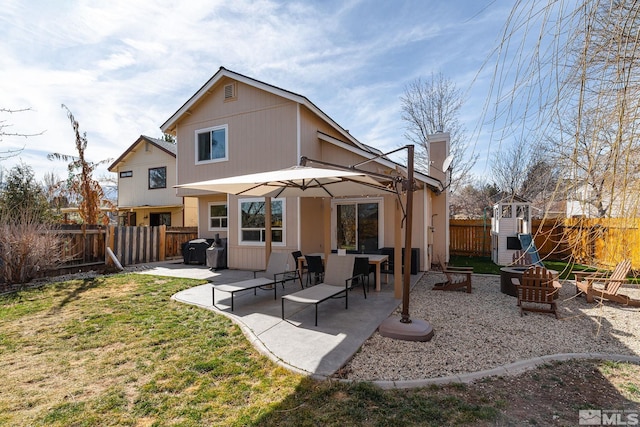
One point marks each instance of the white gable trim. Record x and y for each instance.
(169, 125)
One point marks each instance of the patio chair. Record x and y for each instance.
(268, 279)
(537, 289)
(315, 268)
(296, 255)
(521, 259)
(338, 280)
(457, 278)
(604, 285)
(361, 267)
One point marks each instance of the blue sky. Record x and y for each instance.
(124, 67)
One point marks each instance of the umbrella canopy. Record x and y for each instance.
(297, 181)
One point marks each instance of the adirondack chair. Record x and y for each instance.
(605, 286)
(537, 289)
(522, 259)
(457, 277)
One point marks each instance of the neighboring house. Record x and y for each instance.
(235, 125)
(146, 176)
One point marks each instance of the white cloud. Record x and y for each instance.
(124, 67)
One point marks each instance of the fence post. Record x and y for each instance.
(162, 242)
(109, 242)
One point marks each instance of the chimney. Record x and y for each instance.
(438, 152)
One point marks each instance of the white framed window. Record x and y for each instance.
(357, 224)
(252, 230)
(212, 144)
(218, 216)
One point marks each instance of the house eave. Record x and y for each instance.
(170, 125)
(432, 183)
(132, 147)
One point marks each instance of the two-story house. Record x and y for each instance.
(236, 125)
(146, 175)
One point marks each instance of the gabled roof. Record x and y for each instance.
(169, 125)
(362, 149)
(168, 147)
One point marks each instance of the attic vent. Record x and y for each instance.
(229, 91)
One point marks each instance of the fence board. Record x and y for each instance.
(82, 245)
(601, 242)
(175, 237)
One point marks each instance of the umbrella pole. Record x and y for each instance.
(267, 230)
(407, 238)
(407, 329)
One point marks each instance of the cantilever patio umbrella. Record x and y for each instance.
(305, 181)
(296, 181)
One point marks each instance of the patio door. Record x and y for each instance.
(356, 225)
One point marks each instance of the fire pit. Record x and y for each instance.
(508, 273)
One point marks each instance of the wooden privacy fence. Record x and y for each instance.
(590, 241)
(470, 237)
(82, 245)
(131, 245)
(137, 245)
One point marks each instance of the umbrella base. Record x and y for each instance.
(417, 330)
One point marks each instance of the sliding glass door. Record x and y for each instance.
(357, 225)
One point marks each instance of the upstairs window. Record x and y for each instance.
(126, 174)
(158, 178)
(211, 144)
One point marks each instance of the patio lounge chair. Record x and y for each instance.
(337, 280)
(605, 286)
(538, 288)
(275, 273)
(457, 278)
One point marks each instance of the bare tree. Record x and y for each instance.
(567, 75)
(432, 106)
(81, 186)
(523, 170)
(473, 200)
(6, 131)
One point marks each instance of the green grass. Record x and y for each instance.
(484, 265)
(116, 351)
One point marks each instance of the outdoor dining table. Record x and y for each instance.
(374, 259)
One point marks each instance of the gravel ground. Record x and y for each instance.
(484, 330)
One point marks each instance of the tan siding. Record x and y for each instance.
(261, 135)
(312, 224)
(134, 191)
(263, 131)
(190, 212)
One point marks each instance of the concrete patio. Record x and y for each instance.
(294, 342)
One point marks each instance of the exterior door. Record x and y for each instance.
(357, 225)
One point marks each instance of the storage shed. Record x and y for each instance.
(511, 219)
